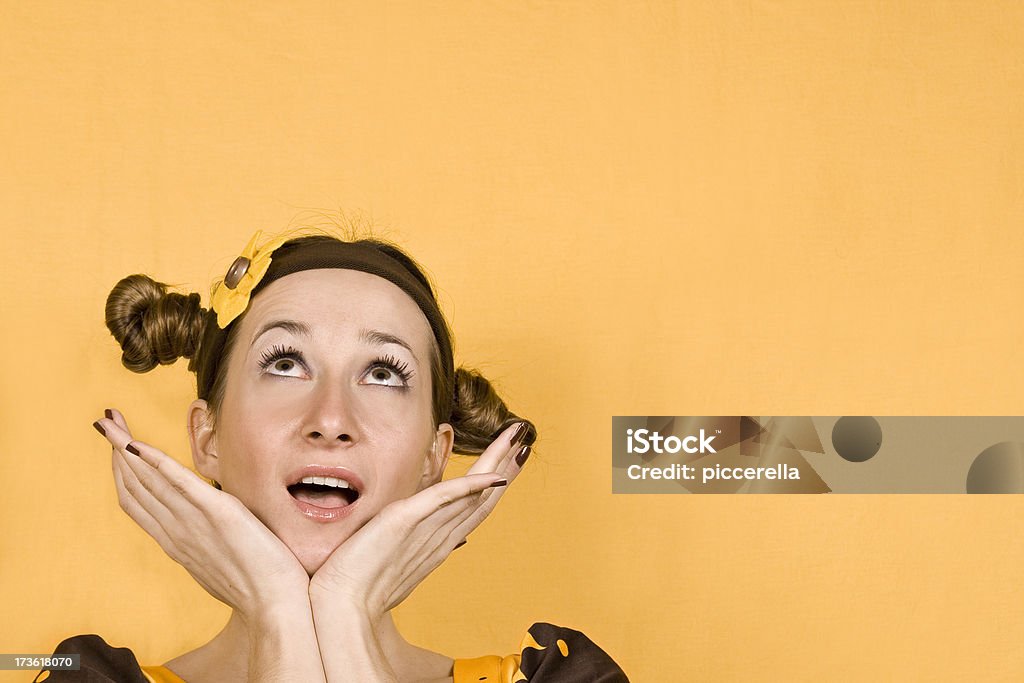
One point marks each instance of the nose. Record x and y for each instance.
(329, 415)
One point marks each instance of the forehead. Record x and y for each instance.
(338, 301)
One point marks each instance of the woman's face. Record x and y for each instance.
(329, 376)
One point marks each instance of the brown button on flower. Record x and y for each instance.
(236, 271)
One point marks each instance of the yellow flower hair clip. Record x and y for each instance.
(230, 297)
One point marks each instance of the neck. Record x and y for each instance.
(225, 658)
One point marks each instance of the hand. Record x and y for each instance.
(380, 565)
(210, 533)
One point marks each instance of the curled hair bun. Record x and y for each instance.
(151, 324)
(479, 414)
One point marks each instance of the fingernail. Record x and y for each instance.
(132, 449)
(522, 455)
(99, 428)
(519, 433)
(109, 413)
(500, 482)
(459, 545)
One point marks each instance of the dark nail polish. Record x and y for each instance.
(459, 545)
(132, 449)
(500, 482)
(99, 428)
(522, 455)
(519, 433)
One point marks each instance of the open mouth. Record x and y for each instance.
(324, 492)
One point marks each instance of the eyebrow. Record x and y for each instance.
(378, 338)
(300, 329)
(293, 326)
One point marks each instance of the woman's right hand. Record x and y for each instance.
(230, 552)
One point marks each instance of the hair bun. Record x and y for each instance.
(479, 415)
(153, 326)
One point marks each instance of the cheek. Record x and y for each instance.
(392, 420)
(245, 444)
(401, 427)
(401, 456)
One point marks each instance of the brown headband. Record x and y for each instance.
(324, 252)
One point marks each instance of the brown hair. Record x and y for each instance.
(155, 326)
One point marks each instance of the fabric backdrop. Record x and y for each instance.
(630, 208)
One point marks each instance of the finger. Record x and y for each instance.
(458, 526)
(414, 521)
(509, 467)
(405, 516)
(129, 487)
(143, 507)
(173, 484)
(499, 450)
(476, 517)
(134, 509)
(115, 433)
(118, 418)
(512, 462)
(453, 511)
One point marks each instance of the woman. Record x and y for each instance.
(328, 406)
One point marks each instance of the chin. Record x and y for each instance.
(313, 565)
(312, 554)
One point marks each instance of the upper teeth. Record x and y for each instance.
(327, 481)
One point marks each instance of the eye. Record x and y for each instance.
(283, 362)
(391, 372)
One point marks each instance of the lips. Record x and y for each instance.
(324, 493)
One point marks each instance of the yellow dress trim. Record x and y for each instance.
(161, 674)
(489, 668)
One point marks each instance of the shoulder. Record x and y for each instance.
(547, 654)
(99, 662)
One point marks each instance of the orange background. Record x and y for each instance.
(702, 208)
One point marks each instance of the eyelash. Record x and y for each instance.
(400, 368)
(276, 353)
